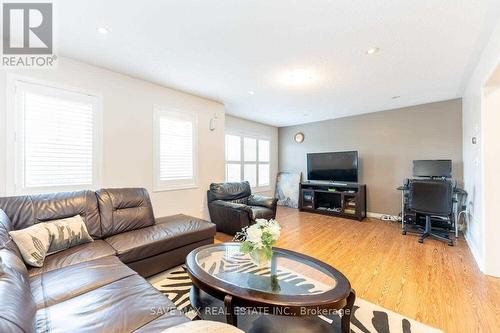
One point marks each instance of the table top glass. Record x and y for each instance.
(286, 274)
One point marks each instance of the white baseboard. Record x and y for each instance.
(475, 252)
(374, 215)
(379, 215)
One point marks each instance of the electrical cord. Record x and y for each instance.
(391, 218)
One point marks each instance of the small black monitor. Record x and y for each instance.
(432, 168)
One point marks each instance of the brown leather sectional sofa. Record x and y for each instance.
(98, 286)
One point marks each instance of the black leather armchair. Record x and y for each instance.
(232, 206)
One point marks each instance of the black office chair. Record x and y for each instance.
(432, 198)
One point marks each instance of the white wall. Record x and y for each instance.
(127, 152)
(491, 163)
(473, 120)
(239, 125)
(385, 146)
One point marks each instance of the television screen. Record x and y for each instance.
(432, 168)
(338, 166)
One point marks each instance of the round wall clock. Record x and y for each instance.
(299, 137)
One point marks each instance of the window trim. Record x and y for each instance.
(242, 135)
(158, 185)
(15, 129)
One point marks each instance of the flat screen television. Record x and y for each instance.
(335, 166)
(432, 168)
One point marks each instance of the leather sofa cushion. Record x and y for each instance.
(259, 212)
(5, 227)
(12, 255)
(75, 255)
(64, 283)
(124, 210)
(17, 309)
(262, 201)
(168, 233)
(121, 306)
(13, 259)
(161, 262)
(25, 211)
(229, 191)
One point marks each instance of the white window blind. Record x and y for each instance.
(264, 159)
(56, 139)
(248, 158)
(233, 158)
(175, 149)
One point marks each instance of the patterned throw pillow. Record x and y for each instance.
(42, 239)
(202, 326)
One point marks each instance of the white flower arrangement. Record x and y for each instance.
(259, 238)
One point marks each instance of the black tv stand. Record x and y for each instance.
(334, 198)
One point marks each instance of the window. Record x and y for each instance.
(56, 139)
(248, 158)
(233, 158)
(175, 149)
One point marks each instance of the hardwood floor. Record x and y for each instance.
(433, 283)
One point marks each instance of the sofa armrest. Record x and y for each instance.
(5, 227)
(229, 217)
(259, 200)
(231, 205)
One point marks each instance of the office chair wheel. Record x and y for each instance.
(450, 243)
(420, 240)
(403, 232)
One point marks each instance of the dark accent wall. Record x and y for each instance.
(387, 142)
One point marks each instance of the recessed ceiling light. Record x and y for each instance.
(251, 92)
(102, 30)
(372, 50)
(298, 77)
(395, 97)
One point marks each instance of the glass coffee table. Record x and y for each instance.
(291, 285)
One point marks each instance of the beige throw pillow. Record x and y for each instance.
(202, 326)
(42, 239)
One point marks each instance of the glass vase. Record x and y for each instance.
(262, 257)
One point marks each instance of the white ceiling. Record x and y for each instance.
(221, 49)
